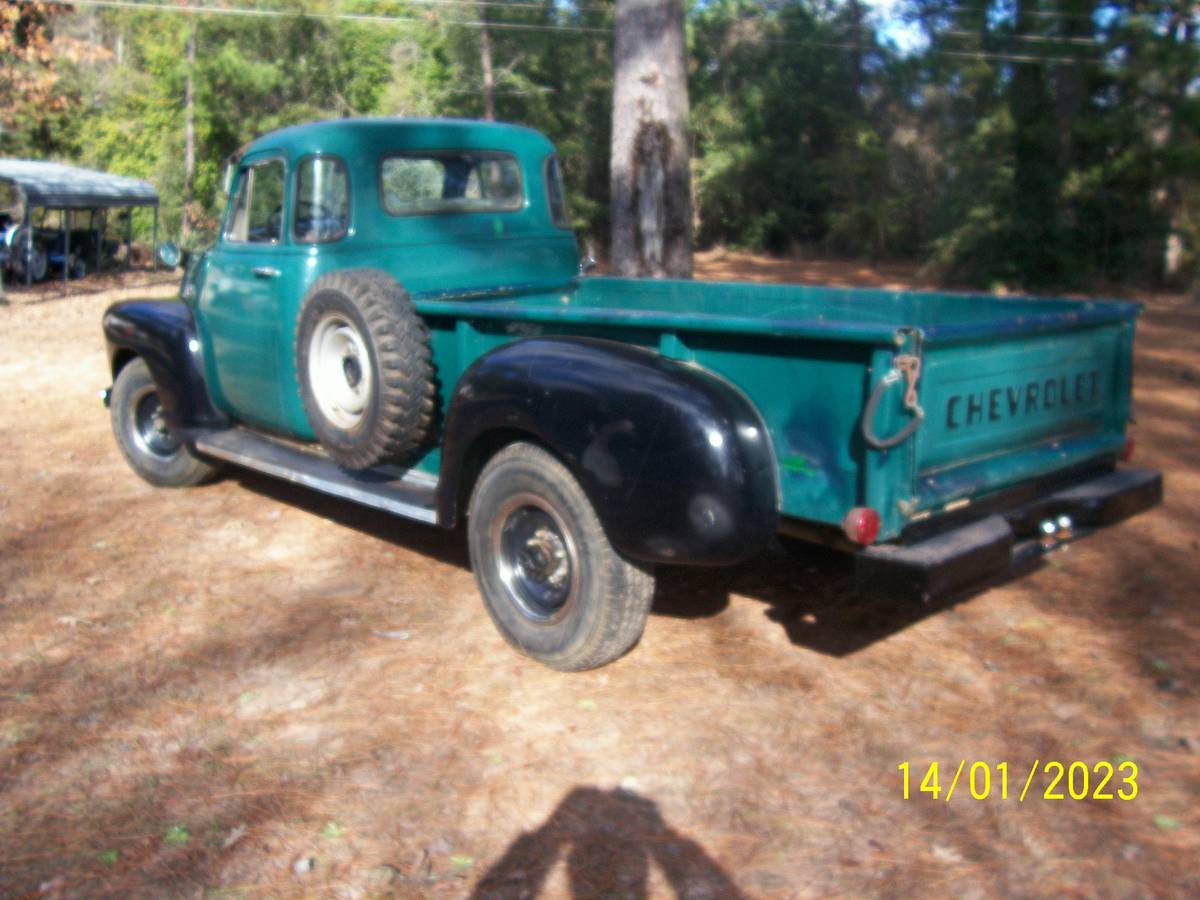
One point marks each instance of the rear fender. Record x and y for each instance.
(676, 461)
(163, 333)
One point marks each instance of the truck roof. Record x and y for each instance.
(353, 137)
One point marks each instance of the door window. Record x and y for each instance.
(257, 216)
(322, 200)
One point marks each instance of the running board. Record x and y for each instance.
(398, 491)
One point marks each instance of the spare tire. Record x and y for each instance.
(365, 368)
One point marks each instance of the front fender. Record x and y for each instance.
(163, 333)
(676, 461)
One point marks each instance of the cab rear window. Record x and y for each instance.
(449, 182)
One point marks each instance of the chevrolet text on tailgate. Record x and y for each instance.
(394, 314)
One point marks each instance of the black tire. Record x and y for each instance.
(372, 399)
(38, 263)
(551, 581)
(150, 447)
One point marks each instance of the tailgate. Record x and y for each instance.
(1002, 411)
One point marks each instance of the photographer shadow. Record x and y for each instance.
(608, 840)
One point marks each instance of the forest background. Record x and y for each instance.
(1015, 144)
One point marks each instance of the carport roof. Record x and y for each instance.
(59, 186)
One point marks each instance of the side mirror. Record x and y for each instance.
(168, 255)
(589, 260)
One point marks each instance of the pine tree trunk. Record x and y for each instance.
(651, 181)
(1184, 27)
(855, 11)
(189, 134)
(1067, 78)
(1037, 180)
(485, 62)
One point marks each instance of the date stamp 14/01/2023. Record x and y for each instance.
(1075, 780)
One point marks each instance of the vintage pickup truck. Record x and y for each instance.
(395, 313)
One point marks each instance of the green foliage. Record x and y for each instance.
(758, 139)
(869, 204)
(808, 132)
(1055, 172)
(333, 831)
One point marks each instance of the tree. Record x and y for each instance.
(485, 63)
(651, 183)
(27, 77)
(1040, 144)
(189, 136)
(33, 97)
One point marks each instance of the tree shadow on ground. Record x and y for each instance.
(99, 719)
(809, 590)
(445, 545)
(54, 289)
(608, 840)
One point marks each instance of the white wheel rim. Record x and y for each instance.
(339, 371)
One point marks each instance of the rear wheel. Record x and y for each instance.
(551, 581)
(150, 446)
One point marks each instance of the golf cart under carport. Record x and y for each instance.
(29, 252)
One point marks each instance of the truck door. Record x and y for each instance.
(240, 304)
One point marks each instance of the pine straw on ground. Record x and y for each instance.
(250, 690)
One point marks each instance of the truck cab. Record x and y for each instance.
(443, 206)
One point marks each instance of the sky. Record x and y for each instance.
(906, 38)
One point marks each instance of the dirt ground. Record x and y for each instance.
(250, 690)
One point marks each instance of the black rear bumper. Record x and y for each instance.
(1003, 542)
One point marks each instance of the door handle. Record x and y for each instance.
(266, 272)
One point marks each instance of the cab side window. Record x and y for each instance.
(257, 216)
(555, 193)
(322, 200)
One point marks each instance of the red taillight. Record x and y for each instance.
(861, 525)
(1127, 450)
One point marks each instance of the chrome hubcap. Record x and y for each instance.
(339, 371)
(536, 558)
(150, 430)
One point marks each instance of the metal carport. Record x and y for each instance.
(55, 186)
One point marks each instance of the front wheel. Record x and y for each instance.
(551, 581)
(150, 447)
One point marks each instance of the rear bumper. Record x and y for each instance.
(1007, 540)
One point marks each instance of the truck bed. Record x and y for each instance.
(854, 314)
(1012, 389)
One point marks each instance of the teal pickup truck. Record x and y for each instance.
(395, 313)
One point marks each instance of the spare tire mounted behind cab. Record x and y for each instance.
(364, 365)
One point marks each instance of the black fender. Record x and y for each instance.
(676, 461)
(163, 333)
